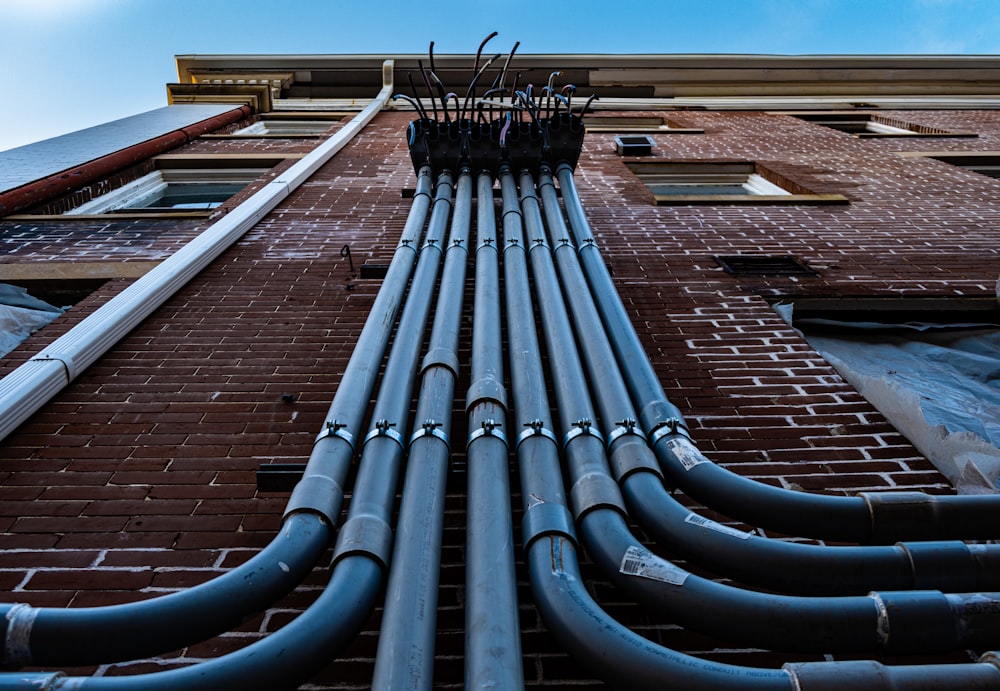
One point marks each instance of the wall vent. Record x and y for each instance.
(764, 265)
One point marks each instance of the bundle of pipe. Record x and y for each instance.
(55, 636)
(361, 554)
(920, 620)
(869, 517)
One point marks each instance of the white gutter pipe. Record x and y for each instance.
(30, 386)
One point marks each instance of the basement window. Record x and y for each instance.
(931, 367)
(763, 265)
(873, 125)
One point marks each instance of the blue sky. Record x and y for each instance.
(69, 64)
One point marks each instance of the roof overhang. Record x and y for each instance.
(654, 81)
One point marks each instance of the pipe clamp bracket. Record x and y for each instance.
(536, 428)
(665, 429)
(625, 427)
(430, 429)
(335, 428)
(383, 428)
(490, 428)
(581, 427)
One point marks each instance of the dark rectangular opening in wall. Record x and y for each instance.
(374, 270)
(63, 292)
(764, 265)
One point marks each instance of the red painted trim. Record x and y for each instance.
(39, 191)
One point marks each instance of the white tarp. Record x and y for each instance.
(21, 315)
(939, 385)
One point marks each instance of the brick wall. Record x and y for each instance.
(138, 479)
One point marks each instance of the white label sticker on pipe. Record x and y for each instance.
(717, 527)
(643, 563)
(686, 452)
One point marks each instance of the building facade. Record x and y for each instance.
(278, 276)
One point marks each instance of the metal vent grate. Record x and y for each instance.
(764, 265)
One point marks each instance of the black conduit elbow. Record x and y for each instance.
(612, 652)
(92, 635)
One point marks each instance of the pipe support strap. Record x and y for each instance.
(547, 518)
(17, 643)
(595, 491)
(536, 428)
(384, 428)
(486, 389)
(430, 429)
(440, 357)
(316, 494)
(365, 534)
(490, 428)
(335, 428)
(581, 428)
(658, 413)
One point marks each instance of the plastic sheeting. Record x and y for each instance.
(21, 315)
(938, 384)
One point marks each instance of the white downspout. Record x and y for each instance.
(30, 386)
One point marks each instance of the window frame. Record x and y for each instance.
(763, 186)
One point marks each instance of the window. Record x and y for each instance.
(636, 123)
(731, 182)
(179, 185)
(866, 125)
(931, 367)
(985, 162)
(278, 126)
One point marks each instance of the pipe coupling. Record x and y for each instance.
(631, 454)
(440, 357)
(366, 534)
(891, 510)
(595, 491)
(319, 494)
(915, 621)
(486, 389)
(20, 619)
(546, 518)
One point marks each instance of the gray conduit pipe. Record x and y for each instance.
(492, 631)
(292, 654)
(81, 636)
(615, 654)
(918, 621)
(405, 657)
(878, 518)
(785, 566)
(31, 385)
